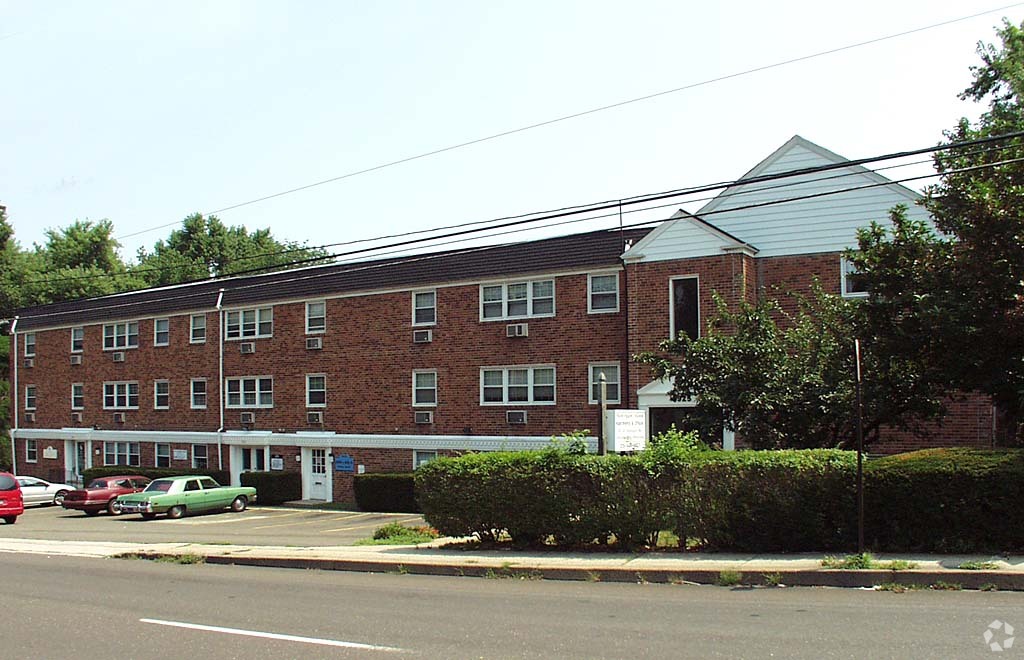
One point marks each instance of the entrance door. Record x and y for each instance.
(81, 461)
(318, 474)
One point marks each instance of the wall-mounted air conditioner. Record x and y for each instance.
(30, 362)
(424, 416)
(248, 418)
(119, 418)
(314, 418)
(247, 347)
(76, 417)
(422, 336)
(515, 416)
(76, 359)
(314, 343)
(30, 417)
(118, 356)
(517, 330)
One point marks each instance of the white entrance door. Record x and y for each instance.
(318, 486)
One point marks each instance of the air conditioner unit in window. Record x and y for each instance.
(515, 416)
(118, 356)
(76, 359)
(76, 417)
(517, 330)
(247, 347)
(30, 417)
(314, 343)
(248, 418)
(422, 336)
(30, 362)
(315, 418)
(119, 418)
(424, 416)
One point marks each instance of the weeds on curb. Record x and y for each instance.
(729, 578)
(946, 586)
(988, 586)
(185, 559)
(897, 587)
(593, 576)
(978, 566)
(898, 565)
(773, 579)
(861, 561)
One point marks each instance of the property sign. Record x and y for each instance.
(344, 463)
(625, 430)
(276, 462)
(180, 454)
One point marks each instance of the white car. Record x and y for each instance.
(40, 491)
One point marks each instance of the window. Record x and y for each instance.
(30, 397)
(198, 388)
(518, 385)
(422, 457)
(316, 317)
(118, 336)
(424, 308)
(161, 332)
(197, 329)
(517, 300)
(316, 390)
(30, 344)
(424, 388)
(603, 294)
(253, 459)
(685, 307)
(77, 396)
(163, 455)
(31, 452)
(852, 282)
(199, 457)
(121, 453)
(256, 392)
(77, 340)
(611, 379)
(121, 396)
(161, 394)
(249, 323)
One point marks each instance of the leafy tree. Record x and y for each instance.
(5, 404)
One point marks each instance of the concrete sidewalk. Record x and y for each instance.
(436, 559)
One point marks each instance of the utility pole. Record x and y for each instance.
(860, 452)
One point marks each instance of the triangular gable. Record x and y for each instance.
(683, 236)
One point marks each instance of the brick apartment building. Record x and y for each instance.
(378, 366)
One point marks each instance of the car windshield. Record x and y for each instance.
(160, 485)
(96, 484)
(7, 483)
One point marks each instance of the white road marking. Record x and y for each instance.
(267, 635)
(211, 521)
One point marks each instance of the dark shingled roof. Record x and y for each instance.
(576, 251)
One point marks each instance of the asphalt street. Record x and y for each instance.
(78, 607)
(255, 526)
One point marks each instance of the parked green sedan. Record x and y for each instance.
(177, 496)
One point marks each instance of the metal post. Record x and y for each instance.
(602, 445)
(860, 453)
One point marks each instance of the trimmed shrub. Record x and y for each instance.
(274, 487)
(388, 492)
(221, 476)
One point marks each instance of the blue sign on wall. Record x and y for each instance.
(344, 463)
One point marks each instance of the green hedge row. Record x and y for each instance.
(221, 476)
(389, 492)
(770, 501)
(274, 487)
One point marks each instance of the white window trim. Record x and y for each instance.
(35, 451)
(166, 343)
(316, 405)
(416, 453)
(127, 397)
(591, 382)
(127, 346)
(206, 448)
(192, 393)
(32, 344)
(73, 349)
(241, 392)
(192, 328)
(590, 293)
(323, 329)
(529, 300)
(424, 324)
(672, 305)
(259, 321)
(34, 397)
(73, 406)
(843, 265)
(415, 389)
(138, 453)
(156, 384)
(156, 453)
(530, 385)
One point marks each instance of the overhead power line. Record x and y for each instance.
(583, 113)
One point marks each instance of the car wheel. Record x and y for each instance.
(114, 507)
(10, 519)
(239, 503)
(91, 512)
(176, 512)
(58, 499)
(148, 516)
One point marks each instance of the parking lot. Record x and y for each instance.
(255, 526)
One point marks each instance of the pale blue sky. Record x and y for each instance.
(144, 112)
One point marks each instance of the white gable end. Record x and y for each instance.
(681, 237)
(834, 203)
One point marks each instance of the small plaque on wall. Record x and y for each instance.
(50, 453)
(276, 462)
(344, 463)
(180, 454)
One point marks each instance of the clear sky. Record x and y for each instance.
(145, 112)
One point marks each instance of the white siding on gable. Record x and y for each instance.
(827, 223)
(681, 237)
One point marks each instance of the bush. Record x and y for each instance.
(387, 492)
(221, 476)
(274, 487)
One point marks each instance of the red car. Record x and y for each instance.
(102, 492)
(11, 503)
